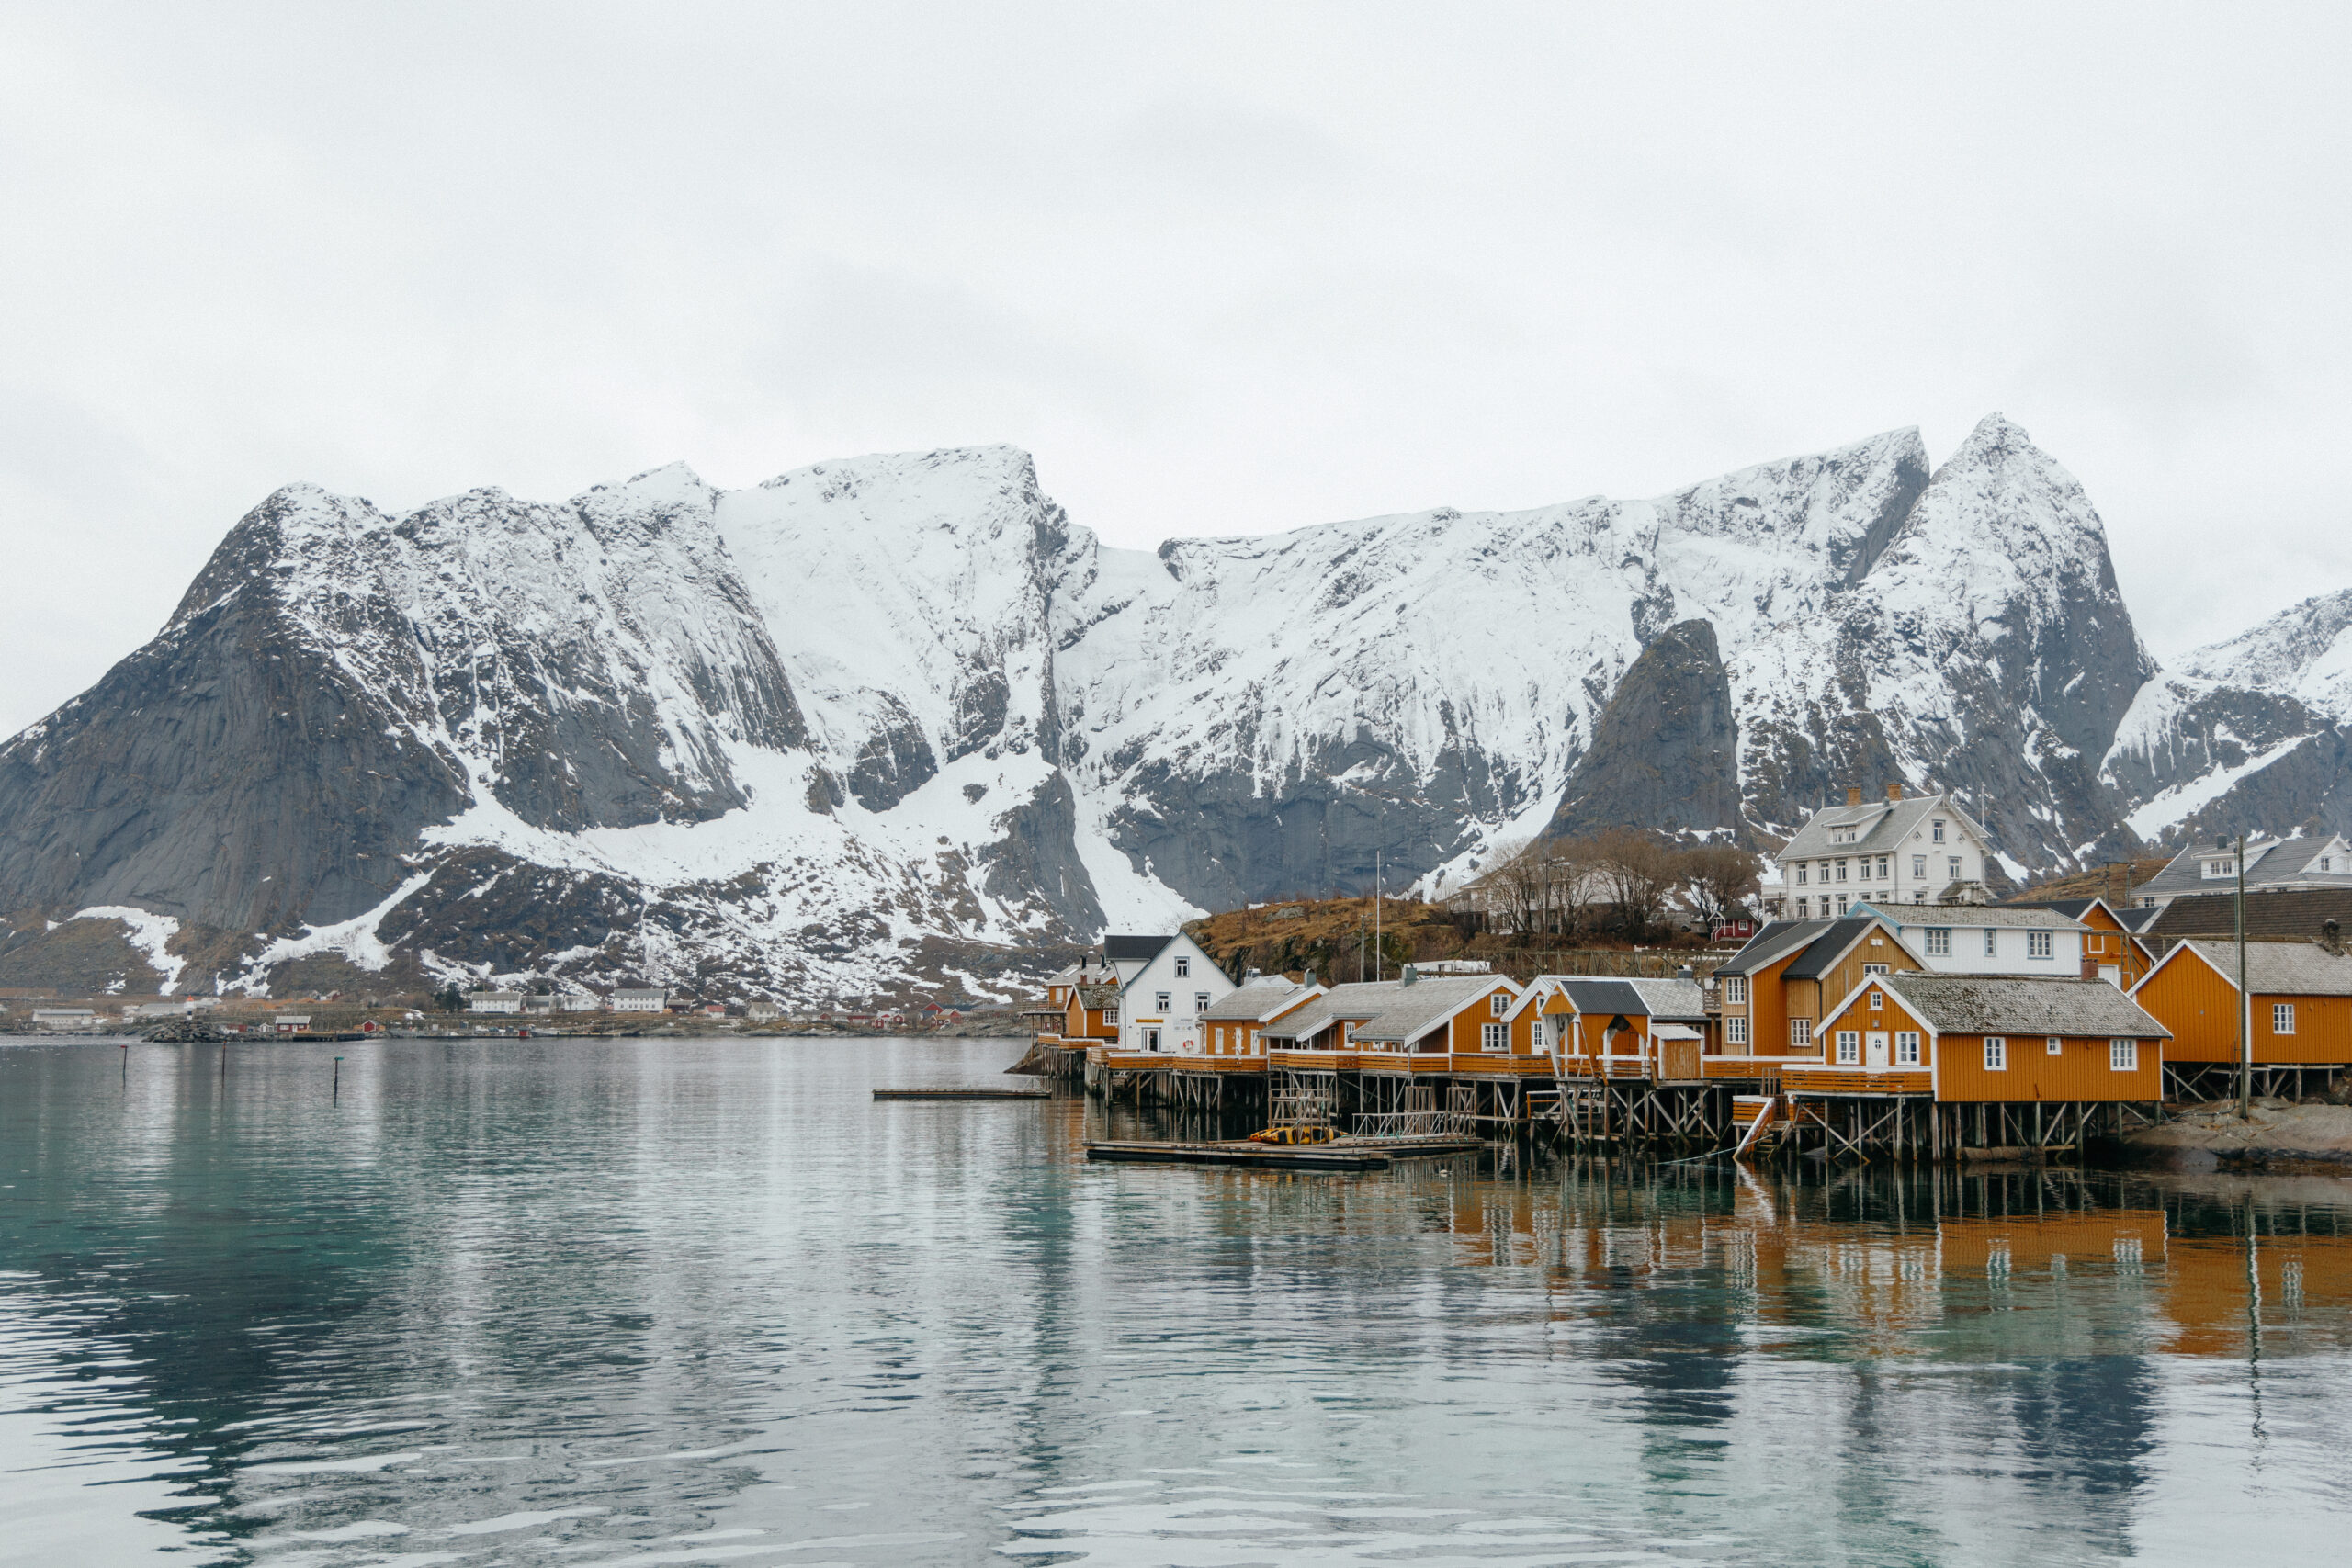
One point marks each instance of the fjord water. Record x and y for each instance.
(679, 1302)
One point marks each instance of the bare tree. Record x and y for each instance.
(1638, 872)
(1516, 886)
(1721, 878)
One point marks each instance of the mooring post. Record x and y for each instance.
(338, 1081)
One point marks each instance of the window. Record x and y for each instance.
(2327, 862)
(1498, 1002)
(1256, 1040)
(1996, 1053)
(1907, 1048)
(1163, 1002)
(1801, 871)
(1919, 867)
(1878, 1002)
(1494, 1036)
(1183, 968)
(2282, 1018)
(2054, 1046)
(1841, 903)
(1735, 988)
(1990, 950)
(1821, 871)
(1918, 895)
(1953, 862)
(1873, 969)
(2123, 1055)
(1939, 942)
(1841, 871)
(1735, 1031)
(1884, 871)
(2217, 868)
(1801, 906)
(1935, 831)
(1850, 1047)
(1218, 1038)
(2038, 945)
(1800, 1034)
(1200, 1001)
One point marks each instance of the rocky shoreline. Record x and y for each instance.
(2280, 1135)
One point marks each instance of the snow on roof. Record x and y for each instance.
(2007, 1004)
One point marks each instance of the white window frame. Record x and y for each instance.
(1841, 903)
(1736, 1032)
(1800, 1034)
(1183, 969)
(1870, 969)
(1886, 868)
(1801, 874)
(1935, 831)
(1200, 1001)
(2282, 1018)
(1996, 1053)
(1801, 906)
(1497, 1003)
(1850, 1047)
(1493, 1037)
(1906, 1047)
(1841, 871)
(1992, 949)
(2123, 1055)
(1735, 988)
(1110, 1015)
(1939, 942)
(1165, 998)
(2040, 943)
(1878, 1002)
(1919, 867)
(2054, 1046)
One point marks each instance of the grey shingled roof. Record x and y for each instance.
(1098, 996)
(1123, 947)
(2022, 1005)
(2280, 968)
(2269, 863)
(1680, 999)
(1607, 998)
(1837, 938)
(2294, 913)
(1258, 1000)
(1885, 825)
(1385, 1010)
(1774, 942)
(2005, 915)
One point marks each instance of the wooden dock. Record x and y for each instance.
(1349, 1155)
(983, 1092)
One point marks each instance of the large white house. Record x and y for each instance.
(640, 999)
(1923, 850)
(1971, 938)
(1164, 992)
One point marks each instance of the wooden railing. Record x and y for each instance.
(1859, 1080)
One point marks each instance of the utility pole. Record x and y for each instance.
(2246, 1006)
(1375, 910)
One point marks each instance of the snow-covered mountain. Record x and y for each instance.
(899, 721)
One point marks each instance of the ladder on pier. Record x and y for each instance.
(1763, 1121)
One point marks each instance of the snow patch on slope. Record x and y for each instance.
(149, 933)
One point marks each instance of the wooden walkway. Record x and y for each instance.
(1368, 1155)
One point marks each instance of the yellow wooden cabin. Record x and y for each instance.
(1233, 1030)
(1589, 1025)
(2301, 1014)
(1984, 1039)
(1775, 991)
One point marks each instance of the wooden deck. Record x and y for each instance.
(1367, 1155)
(983, 1092)
(1858, 1080)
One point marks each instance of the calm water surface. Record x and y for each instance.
(645, 1303)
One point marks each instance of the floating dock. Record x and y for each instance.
(1368, 1153)
(980, 1093)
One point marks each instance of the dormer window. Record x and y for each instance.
(2219, 868)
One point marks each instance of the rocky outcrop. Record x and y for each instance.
(1665, 753)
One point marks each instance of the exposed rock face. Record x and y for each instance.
(1665, 753)
(898, 720)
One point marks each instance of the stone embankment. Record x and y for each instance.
(2279, 1133)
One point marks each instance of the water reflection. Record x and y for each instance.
(538, 1302)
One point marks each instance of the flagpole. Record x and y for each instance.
(2245, 1004)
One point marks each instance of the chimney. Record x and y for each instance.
(2331, 937)
(1854, 795)
(1411, 975)
(1686, 973)
(1893, 793)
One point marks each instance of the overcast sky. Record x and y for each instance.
(1222, 269)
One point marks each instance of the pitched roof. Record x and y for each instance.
(1120, 949)
(1673, 998)
(2296, 913)
(1606, 997)
(2269, 863)
(2137, 919)
(1066, 976)
(1387, 1010)
(1260, 1000)
(1835, 939)
(1880, 825)
(1901, 916)
(1770, 945)
(2280, 968)
(2023, 1005)
(1098, 996)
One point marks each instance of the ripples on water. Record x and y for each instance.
(677, 1302)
